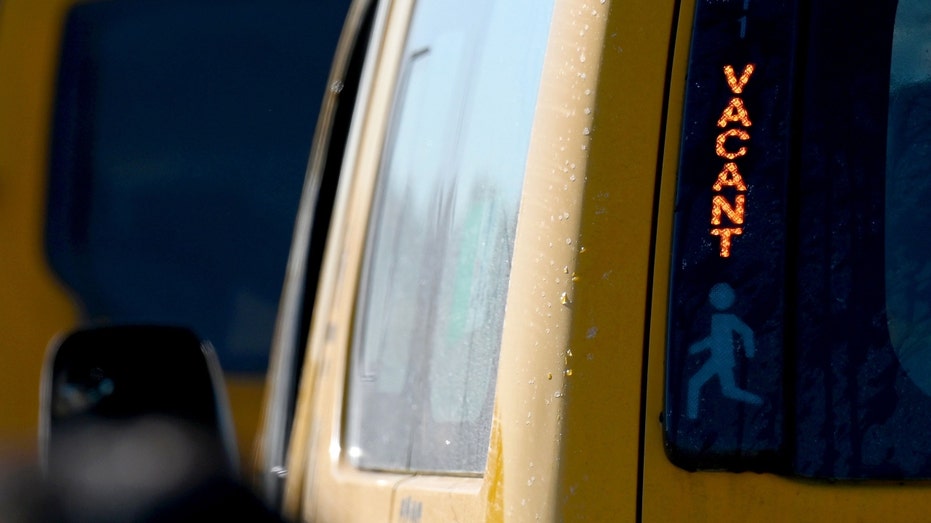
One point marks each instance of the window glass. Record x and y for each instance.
(908, 191)
(803, 347)
(180, 143)
(438, 256)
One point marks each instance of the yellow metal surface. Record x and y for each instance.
(533, 370)
(33, 307)
(245, 393)
(324, 487)
(566, 434)
(600, 431)
(566, 426)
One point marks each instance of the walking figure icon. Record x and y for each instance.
(723, 347)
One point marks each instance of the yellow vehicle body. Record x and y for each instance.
(576, 433)
(34, 305)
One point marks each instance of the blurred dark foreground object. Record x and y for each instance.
(149, 469)
(106, 377)
(135, 427)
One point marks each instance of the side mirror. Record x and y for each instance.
(135, 426)
(120, 399)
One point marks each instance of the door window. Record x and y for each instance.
(438, 255)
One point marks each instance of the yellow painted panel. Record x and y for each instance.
(601, 430)
(433, 498)
(566, 428)
(33, 307)
(245, 393)
(323, 486)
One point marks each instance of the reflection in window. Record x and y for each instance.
(908, 191)
(179, 147)
(441, 236)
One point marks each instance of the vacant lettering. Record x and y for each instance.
(719, 205)
(735, 112)
(729, 177)
(725, 235)
(737, 85)
(722, 151)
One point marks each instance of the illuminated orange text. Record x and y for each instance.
(737, 85)
(735, 213)
(729, 177)
(725, 235)
(722, 151)
(731, 208)
(734, 112)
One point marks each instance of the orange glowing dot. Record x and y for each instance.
(719, 143)
(719, 205)
(725, 235)
(737, 86)
(735, 112)
(729, 177)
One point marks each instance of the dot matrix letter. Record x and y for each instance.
(730, 176)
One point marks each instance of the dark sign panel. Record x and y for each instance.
(800, 309)
(725, 404)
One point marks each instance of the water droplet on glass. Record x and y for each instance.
(564, 298)
(568, 241)
(549, 375)
(586, 131)
(568, 372)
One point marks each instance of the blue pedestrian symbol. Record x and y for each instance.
(723, 347)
